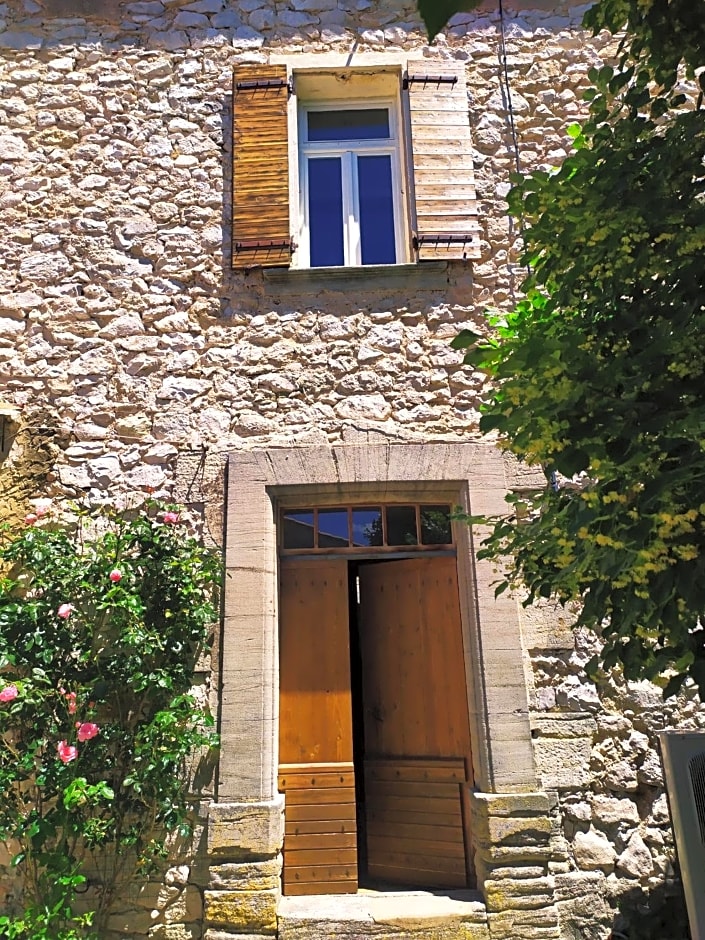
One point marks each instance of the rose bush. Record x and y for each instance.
(102, 619)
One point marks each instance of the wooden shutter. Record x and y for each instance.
(446, 212)
(261, 230)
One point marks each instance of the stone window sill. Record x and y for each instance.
(426, 275)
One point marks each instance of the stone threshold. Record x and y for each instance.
(386, 915)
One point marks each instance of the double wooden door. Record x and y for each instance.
(390, 799)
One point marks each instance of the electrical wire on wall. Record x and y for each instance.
(507, 88)
(507, 93)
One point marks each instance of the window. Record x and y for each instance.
(352, 166)
(350, 184)
(351, 529)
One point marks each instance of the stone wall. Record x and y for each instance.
(120, 316)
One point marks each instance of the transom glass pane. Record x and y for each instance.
(374, 175)
(351, 124)
(367, 527)
(401, 525)
(298, 529)
(325, 211)
(435, 525)
(333, 528)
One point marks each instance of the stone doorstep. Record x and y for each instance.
(424, 915)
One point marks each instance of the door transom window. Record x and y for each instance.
(351, 529)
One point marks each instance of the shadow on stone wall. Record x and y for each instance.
(659, 914)
(103, 9)
(25, 471)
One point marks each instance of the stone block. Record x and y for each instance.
(242, 911)
(226, 935)
(636, 861)
(563, 763)
(528, 893)
(564, 726)
(175, 932)
(247, 876)
(609, 811)
(518, 830)
(592, 850)
(239, 830)
(510, 804)
(527, 925)
(546, 625)
(579, 884)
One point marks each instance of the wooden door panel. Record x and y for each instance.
(316, 771)
(417, 730)
(315, 705)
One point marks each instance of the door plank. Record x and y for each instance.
(318, 795)
(300, 858)
(298, 841)
(427, 878)
(304, 780)
(331, 812)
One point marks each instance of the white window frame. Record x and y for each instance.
(348, 151)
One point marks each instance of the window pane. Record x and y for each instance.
(298, 529)
(367, 526)
(376, 210)
(351, 124)
(401, 525)
(325, 211)
(435, 525)
(332, 528)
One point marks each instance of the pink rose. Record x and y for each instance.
(65, 611)
(67, 752)
(30, 518)
(87, 730)
(170, 517)
(115, 575)
(9, 693)
(71, 697)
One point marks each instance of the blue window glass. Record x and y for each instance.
(367, 526)
(353, 124)
(332, 528)
(325, 211)
(374, 176)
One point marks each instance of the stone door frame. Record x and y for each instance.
(259, 483)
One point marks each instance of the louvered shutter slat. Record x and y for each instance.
(444, 183)
(260, 168)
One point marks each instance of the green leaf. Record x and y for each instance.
(465, 338)
(436, 13)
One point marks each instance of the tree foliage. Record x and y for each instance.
(598, 373)
(436, 13)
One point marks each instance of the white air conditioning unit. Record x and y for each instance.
(683, 755)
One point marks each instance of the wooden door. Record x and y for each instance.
(316, 770)
(417, 734)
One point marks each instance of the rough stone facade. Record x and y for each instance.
(126, 337)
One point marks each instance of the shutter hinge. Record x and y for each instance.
(438, 238)
(429, 80)
(255, 83)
